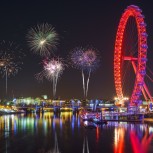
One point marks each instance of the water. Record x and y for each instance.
(37, 133)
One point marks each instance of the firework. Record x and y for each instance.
(77, 58)
(90, 59)
(10, 59)
(91, 62)
(77, 61)
(42, 39)
(52, 70)
(87, 61)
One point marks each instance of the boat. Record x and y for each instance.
(99, 121)
(10, 111)
(89, 116)
(89, 124)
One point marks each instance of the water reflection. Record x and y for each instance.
(140, 146)
(33, 122)
(40, 132)
(85, 146)
(119, 140)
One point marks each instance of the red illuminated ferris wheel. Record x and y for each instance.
(138, 62)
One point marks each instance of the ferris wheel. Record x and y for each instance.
(137, 59)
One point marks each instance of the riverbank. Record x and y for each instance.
(148, 120)
(10, 112)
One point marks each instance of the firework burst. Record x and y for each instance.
(85, 59)
(10, 59)
(42, 39)
(52, 70)
(77, 61)
(76, 58)
(91, 62)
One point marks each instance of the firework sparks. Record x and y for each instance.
(52, 70)
(10, 59)
(87, 61)
(42, 39)
(91, 62)
(77, 58)
(77, 61)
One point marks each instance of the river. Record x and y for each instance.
(42, 133)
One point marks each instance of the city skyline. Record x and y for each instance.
(88, 23)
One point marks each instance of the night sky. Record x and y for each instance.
(78, 23)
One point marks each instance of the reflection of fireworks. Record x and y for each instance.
(52, 69)
(85, 60)
(42, 39)
(10, 59)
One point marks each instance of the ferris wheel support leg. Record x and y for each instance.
(147, 91)
(145, 88)
(144, 94)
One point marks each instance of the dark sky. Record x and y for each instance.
(79, 23)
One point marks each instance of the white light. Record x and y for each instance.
(42, 42)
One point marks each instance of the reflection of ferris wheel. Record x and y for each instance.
(137, 60)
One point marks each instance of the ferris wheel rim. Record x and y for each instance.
(135, 12)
